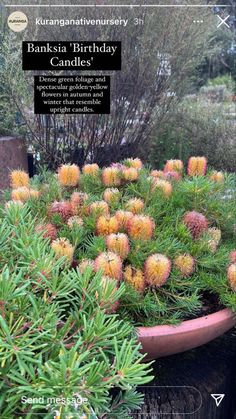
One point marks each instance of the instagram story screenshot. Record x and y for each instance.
(117, 209)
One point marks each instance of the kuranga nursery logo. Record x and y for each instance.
(17, 21)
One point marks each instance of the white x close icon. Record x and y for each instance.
(223, 21)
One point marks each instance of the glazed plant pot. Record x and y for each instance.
(163, 340)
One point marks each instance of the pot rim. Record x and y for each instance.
(187, 325)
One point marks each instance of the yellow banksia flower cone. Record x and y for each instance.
(185, 264)
(214, 238)
(130, 174)
(98, 208)
(135, 205)
(135, 163)
(20, 194)
(91, 169)
(217, 177)
(110, 264)
(119, 244)
(62, 247)
(19, 178)
(174, 166)
(85, 263)
(75, 220)
(111, 176)
(68, 175)
(140, 227)
(164, 185)
(123, 218)
(197, 166)
(111, 195)
(231, 274)
(157, 269)
(135, 278)
(107, 225)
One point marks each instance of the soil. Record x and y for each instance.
(210, 305)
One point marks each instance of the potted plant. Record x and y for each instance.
(165, 235)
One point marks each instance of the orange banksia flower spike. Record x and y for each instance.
(111, 176)
(140, 227)
(157, 269)
(119, 244)
(197, 166)
(135, 278)
(110, 264)
(107, 225)
(185, 264)
(135, 205)
(68, 175)
(19, 178)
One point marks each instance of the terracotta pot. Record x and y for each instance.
(166, 340)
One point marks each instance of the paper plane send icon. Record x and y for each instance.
(218, 398)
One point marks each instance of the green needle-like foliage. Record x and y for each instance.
(57, 338)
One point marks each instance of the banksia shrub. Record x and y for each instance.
(231, 274)
(19, 179)
(232, 256)
(135, 278)
(110, 264)
(119, 244)
(85, 263)
(91, 169)
(20, 194)
(140, 227)
(215, 237)
(62, 208)
(157, 269)
(197, 166)
(174, 166)
(75, 220)
(217, 177)
(111, 176)
(49, 230)
(111, 195)
(130, 174)
(123, 218)
(79, 198)
(135, 163)
(107, 225)
(163, 185)
(62, 247)
(196, 223)
(98, 208)
(185, 264)
(68, 175)
(135, 205)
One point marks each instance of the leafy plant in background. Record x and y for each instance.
(203, 123)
